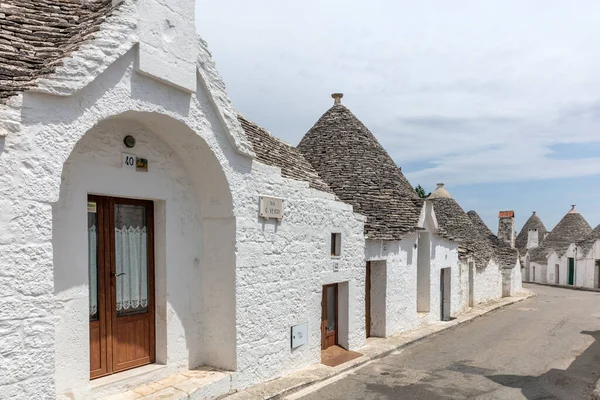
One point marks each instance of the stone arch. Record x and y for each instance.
(195, 241)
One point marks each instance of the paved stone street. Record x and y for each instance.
(542, 348)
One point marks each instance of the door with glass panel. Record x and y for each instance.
(329, 316)
(121, 270)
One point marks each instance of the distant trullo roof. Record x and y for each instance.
(587, 243)
(506, 255)
(37, 34)
(454, 223)
(534, 222)
(360, 172)
(571, 229)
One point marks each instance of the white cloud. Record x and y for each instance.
(477, 90)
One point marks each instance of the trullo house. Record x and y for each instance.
(555, 261)
(146, 229)
(479, 274)
(404, 251)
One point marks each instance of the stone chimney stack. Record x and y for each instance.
(506, 227)
(337, 98)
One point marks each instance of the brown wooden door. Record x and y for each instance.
(368, 300)
(329, 316)
(122, 334)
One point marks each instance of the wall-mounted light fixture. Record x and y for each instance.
(129, 141)
(415, 245)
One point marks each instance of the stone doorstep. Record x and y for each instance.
(374, 349)
(201, 383)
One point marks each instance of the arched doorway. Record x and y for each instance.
(183, 204)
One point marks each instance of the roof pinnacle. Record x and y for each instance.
(337, 98)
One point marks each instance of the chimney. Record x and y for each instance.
(337, 98)
(506, 227)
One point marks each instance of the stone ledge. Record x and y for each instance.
(374, 349)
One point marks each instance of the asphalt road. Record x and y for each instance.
(547, 347)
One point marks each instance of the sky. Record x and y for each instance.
(499, 100)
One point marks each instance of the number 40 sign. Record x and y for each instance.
(133, 163)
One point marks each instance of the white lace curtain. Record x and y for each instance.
(93, 269)
(131, 255)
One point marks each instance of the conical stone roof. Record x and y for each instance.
(360, 172)
(454, 224)
(273, 151)
(586, 244)
(571, 229)
(505, 255)
(534, 222)
(37, 34)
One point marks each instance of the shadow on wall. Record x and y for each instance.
(576, 382)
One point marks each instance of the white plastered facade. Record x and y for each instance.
(512, 280)
(395, 285)
(487, 283)
(229, 285)
(560, 263)
(587, 268)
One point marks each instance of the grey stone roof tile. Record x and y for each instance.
(360, 172)
(534, 222)
(275, 152)
(571, 229)
(504, 254)
(587, 243)
(457, 226)
(35, 35)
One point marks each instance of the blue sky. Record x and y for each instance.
(498, 100)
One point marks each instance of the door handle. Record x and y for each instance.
(114, 274)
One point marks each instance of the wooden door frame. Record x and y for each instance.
(107, 306)
(102, 269)
(368, 300)
(324, 315)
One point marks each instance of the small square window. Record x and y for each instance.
(336, 244)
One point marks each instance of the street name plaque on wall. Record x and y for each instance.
(271, 207)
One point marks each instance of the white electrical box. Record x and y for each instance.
(299, 335)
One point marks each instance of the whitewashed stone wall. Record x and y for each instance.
(512, 281)
(586, 268)
(488, 283)
(282, 267)
(400, 258)
(400, 261)
(538, 272)
(463, 267)
(563, 267)
(444, 254)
